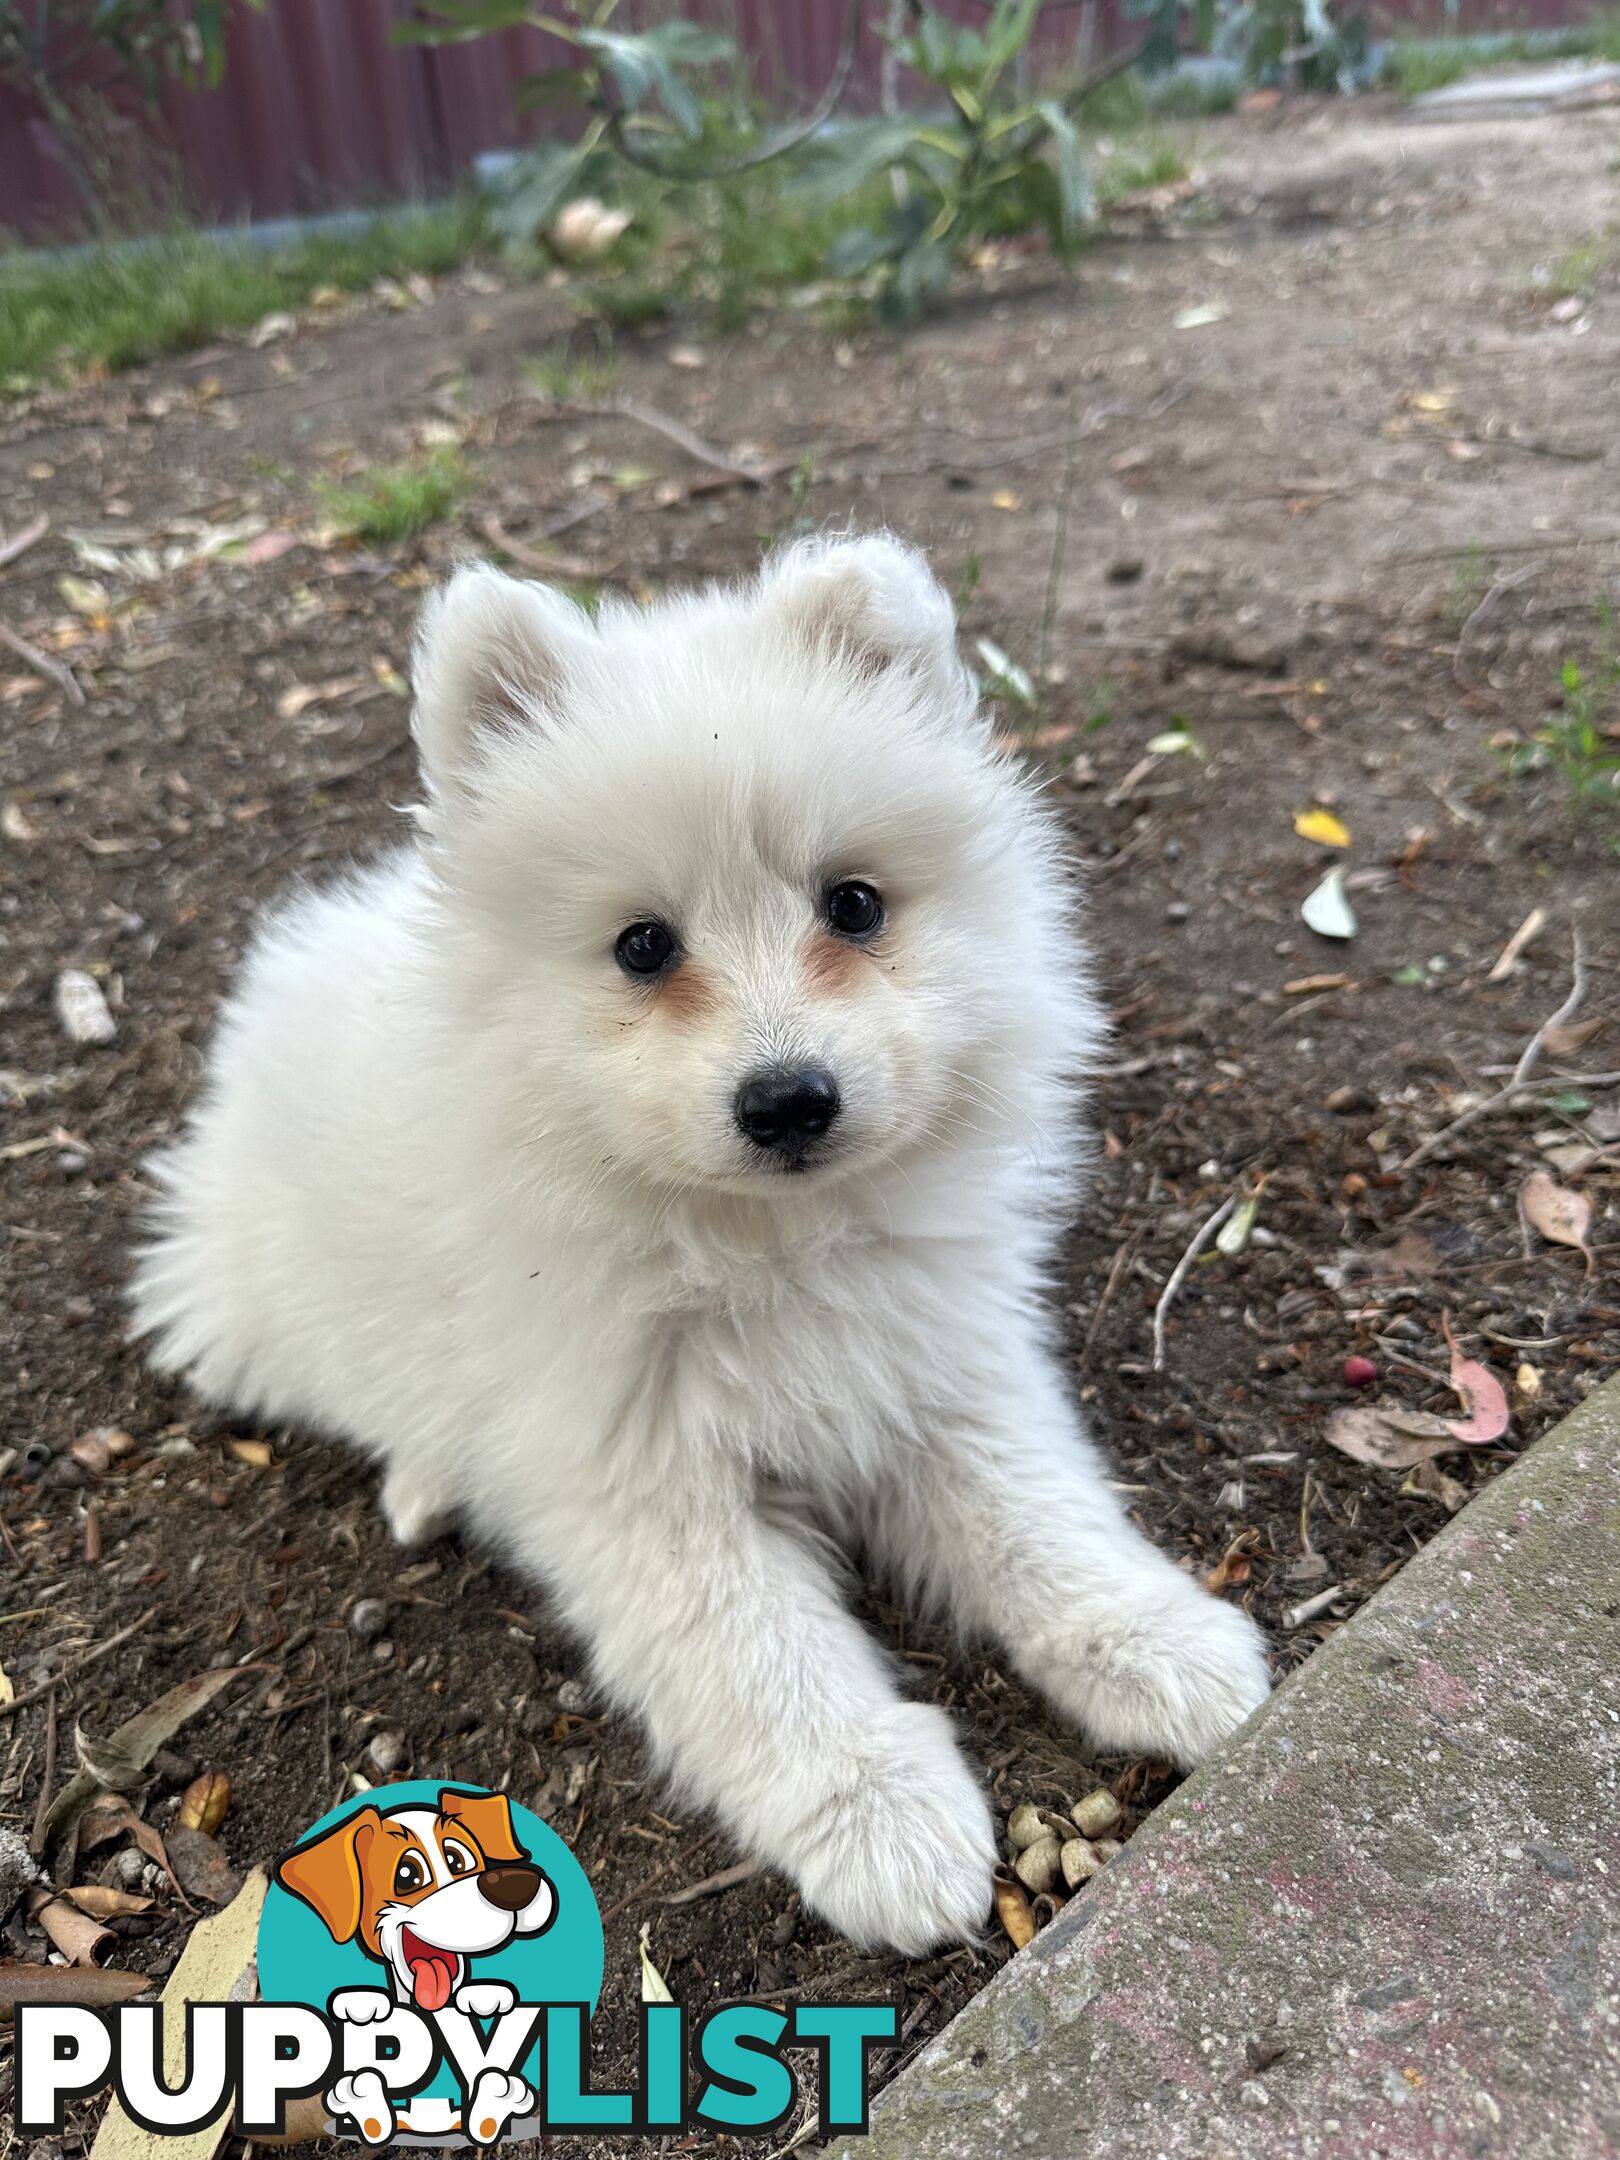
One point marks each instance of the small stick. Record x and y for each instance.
(547, 565)
(72, 1672)
(712, 1885)
(42, 664)
(1297, 1615)
(1178, 1275)
(47, 1781)
(1577, 990)
(1521, 1083)
(21, 542)
(635, 1897)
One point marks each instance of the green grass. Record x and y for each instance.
(1420, 64)
(574, 378)
(113, 309)
(1579, 270)
(394, 502)
(1133, 167)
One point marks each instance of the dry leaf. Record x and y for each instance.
(1573, 1035)
(1389, 1436)
(1430, 1482)
(1326, 910)
(1012, 1909)
(202, 1866)
(1005, 499)
(80, 1938)
(126, 1755)
(1305, 985)
(98, 1987)
(1482, 1396)
(1563, 1217)
(654, 1987)
(1322, 827)
(217, 1965)
(102, 1902)
(204, 1802)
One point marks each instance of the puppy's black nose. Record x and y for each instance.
(509, 1888)
(785, 1110)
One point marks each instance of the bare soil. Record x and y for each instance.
(1346, 534)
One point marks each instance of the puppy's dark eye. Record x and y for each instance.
(458, 1859)
(411, 1874)
(646, 948)
(854, 910)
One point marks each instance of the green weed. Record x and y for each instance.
(395, 502)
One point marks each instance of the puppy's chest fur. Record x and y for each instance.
(807, 1362)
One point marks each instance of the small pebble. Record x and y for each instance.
(386, 1752)
(81, 1009)
(382, 1653)
(368, 1618)
(1177, 911)
(129, 1866)
(571, 1697)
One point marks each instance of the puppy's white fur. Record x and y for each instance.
(463, 1192)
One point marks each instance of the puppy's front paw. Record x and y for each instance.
(363, 2099)
(1171, 1677)
(361, 2006)
(496, 2098)
(484, 1998)
(416, 1511)
(899, 1853)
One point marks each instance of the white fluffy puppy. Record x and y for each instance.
(657, 1166)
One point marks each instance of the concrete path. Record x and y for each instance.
(1384, 1924)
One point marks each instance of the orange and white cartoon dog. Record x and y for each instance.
(423, 1891)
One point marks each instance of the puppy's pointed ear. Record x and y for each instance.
(872, 601)
(326, 1873)
(489, 1817)
(492, 653)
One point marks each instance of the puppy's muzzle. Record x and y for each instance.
(784, 1111)
(509, 1889)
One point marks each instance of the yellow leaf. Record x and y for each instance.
(654, 1987)
(256, 1454)
(1005, 499)
(1431, 401)
(1322, 827)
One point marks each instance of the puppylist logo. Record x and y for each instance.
(429, 1960)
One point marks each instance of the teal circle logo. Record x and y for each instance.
(434, 1897)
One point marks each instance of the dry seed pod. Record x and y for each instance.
(1044, 1908)
(1079, 1860)
(1097, 1813)
(81, 1010)
(1012, 1909)
(1025, 1827)
(1037, 1865)
(204, 1802)
(1108, 1848)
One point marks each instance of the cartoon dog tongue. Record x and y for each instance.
(433, 1974)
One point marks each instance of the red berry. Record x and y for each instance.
(1359, 1372)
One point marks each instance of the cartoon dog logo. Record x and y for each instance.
(424, 1891)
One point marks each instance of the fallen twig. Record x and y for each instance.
(72, 1672)
(1577, 991)
(545, 565)
(1178, 1275)
(21, 542)
(712, 1885)
(1521, 1083)
(43, 664)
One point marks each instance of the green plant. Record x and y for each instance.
(45, 43)
(987, 165)
(394, 502)
(1577, 743)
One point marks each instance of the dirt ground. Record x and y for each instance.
(1346, 533)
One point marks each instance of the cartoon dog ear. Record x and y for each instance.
(326, 1873)
(491, 653)
(875, 601)
(489, 1817)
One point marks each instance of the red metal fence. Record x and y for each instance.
(318, 110)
